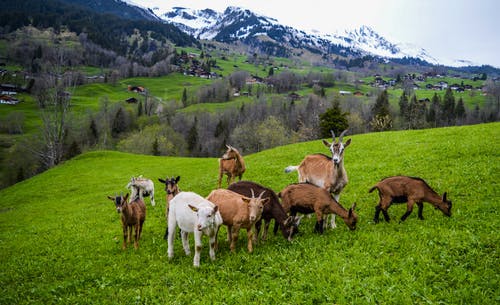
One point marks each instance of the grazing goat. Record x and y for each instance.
(193, 214)
(172, 189)
(323, 171)
(141, 187)
(237, 212)
(231, 164)
(272, 210)
(308, 198)
(401, 189)
(133, 215)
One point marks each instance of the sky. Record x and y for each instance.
(447, 29)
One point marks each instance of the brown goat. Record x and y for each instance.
(323, 171)
(308, 198)
(273, 209)
(232, 165)
(401, 189)
(237, 212)
(133, 215)
(172, 189)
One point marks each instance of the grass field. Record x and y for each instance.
(60, 237)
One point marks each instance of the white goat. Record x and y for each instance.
(325, 172)
(141, 187)
(193, 214)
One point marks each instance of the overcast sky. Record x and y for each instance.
(447, 29)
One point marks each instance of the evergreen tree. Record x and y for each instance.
(381, 117)
(333, 119)
(434, 112)
(403, 107)
(192, 138)
(184, 98)
(156, 148)
(119, 124)
(271, 72)
(460, 110)
(448, 108)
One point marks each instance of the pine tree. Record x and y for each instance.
(403, 107)
(381, 117)
(460, 110)
(192, 138)
(449, 108)
(333, 119)
(156, 148)
(184, 98)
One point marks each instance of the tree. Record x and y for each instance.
(434, 112)
(333, 119)
(448, 113)
(381, 118)
(404, 107)
(192, 138)
(416, 113)
(184, 98)
(460, 110)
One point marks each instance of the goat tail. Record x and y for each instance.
(373, 188)
(291, 168)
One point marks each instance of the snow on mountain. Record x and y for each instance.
(241, 24)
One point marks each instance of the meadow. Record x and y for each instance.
(60, 237)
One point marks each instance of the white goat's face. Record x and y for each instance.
(206, 217)
(337, 150)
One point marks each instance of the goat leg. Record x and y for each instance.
(420, 210)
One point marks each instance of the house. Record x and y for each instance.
(8, 100)
(358, 93)
(138, 89)
(343, 92)
(131, 100)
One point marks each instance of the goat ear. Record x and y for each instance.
(265, 201)
(325, 142)
(161, 180)
(444, 197)
(347, 143)
(215, 209)
(111, 198)
(246, 200)
(195, 209)
(177, 179)
(126, 197)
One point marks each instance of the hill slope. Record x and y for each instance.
(60, 236)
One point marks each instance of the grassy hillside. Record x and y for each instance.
(60, 237)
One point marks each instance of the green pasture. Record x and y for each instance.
(60, 237)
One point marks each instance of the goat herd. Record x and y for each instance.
(245, 204)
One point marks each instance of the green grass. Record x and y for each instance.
(60, 237)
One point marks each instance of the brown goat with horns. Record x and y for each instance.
(231, 164)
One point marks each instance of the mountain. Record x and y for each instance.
(118, 8)
(265, 33)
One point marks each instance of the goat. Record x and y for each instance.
(308, 198)
(272, 210)
(193, 214)
(237, 212)
(143, 188)
(401, 189)
(133, 215)
(232, 165)
(323, 171)
(172, 189)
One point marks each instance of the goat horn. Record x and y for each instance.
(342, 135)
(253, 195)
(261, 194)
(333, 135)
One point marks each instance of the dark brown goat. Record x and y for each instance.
(172, 189)
(308, 198)
(401, 189)
(272, 210)
(133, 215)
(232, 165)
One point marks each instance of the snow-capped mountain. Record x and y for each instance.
(266, 33)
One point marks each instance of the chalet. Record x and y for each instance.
(424, 100)
(131, 100)
(358, 93)
(137, 89)
(8, 100)
(343, 92)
